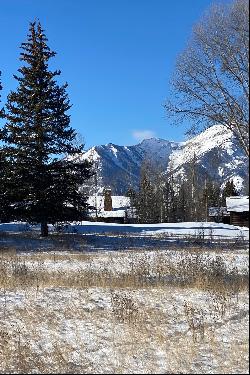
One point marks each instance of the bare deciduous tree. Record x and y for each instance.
(211, 81)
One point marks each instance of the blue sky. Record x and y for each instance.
(116, 55)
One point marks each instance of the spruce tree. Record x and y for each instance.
(183, 202)
(211, 197)
(229, 191)
(37, 137)
(144, 202)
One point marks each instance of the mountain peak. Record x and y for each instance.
(216, 151)
(153, 140)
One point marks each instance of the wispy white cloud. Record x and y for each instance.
(139, 135)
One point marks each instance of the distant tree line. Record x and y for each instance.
(39, 175)
(165, 197)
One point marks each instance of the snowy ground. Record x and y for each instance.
(124, 312)
(176, 301)
(100, 236)
(207, 229)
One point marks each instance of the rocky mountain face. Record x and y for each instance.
(215, 152)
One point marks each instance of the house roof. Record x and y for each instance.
(108, 214)
(238, 204)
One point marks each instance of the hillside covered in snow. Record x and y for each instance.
(215, 151)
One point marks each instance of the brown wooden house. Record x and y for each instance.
(239, 210)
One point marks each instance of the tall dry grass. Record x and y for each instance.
(74, 313)
(191, 270)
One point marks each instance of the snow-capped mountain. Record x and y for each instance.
(217, 154)
(215, 151)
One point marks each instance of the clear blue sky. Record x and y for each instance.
(116, 55)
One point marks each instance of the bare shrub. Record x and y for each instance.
(124, 308)
(195, 319)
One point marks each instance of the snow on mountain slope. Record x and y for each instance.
(158, 149)
(215, 137)
(119, 166)
(215, 151)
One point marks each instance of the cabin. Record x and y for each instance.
(111, 209)
(238, 207)
(117, 217)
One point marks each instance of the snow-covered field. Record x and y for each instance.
(164, 308)
(110, 236)
(124, 312)
(206, 229)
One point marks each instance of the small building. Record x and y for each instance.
(127, 216)
(111, 209)
(238, 207)
(117, 216)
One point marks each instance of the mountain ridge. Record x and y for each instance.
(216, 151)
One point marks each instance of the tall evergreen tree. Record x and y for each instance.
(37, 135)
(229, 191)
(145, 200)
(211, 197)
(183, 201)
(155, 202)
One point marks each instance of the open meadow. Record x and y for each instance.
(174, 310)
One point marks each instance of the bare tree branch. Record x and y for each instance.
(211, 81)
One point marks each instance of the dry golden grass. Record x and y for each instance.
(138, 270)
(76, 313)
